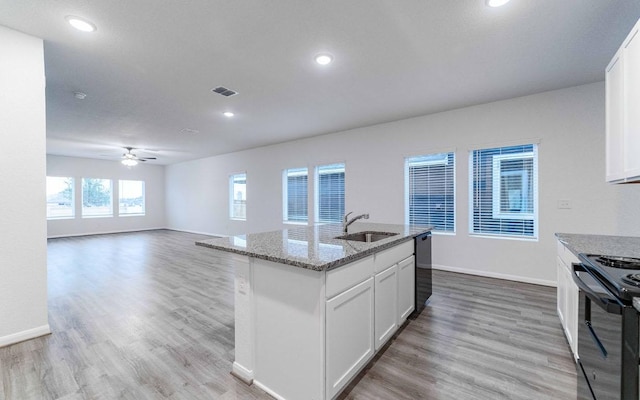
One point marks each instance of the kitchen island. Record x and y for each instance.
(312, 310)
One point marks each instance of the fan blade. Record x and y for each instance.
(147, 158)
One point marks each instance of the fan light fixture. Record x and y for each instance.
(129, 162)
(496, 3)
(80, 24)
(324, 59)
(228, 114)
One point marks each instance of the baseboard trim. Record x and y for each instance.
(197, 232)
(496, 275)
(104, 233)
(268, 390)
(24, 335)
(242, 373)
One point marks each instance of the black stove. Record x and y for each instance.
(621, 275)
(608, 340)
(632, 279)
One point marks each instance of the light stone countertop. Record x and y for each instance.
(622, 246)
(314, 247)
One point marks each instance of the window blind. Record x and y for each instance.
(330, 192)
(504, 191)
(431, 191)
(295, 194)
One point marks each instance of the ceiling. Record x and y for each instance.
(149, 69)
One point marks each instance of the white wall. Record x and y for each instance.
(23, 251)
(569, 124)
(78, 168)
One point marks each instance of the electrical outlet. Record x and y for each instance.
(564, 204)
(242, 285)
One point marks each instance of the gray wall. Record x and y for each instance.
(78, 168)
(568, 123)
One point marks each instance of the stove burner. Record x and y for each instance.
(619, 262)
(632, 279)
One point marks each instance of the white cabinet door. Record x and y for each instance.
(568, 305)
(622, 101)
(386, 305)
(631, 57)
(572, 314)
(349, 335)
(406, 288)
(614, 102)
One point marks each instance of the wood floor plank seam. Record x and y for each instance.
(148, 315)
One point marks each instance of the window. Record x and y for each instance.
(330, 193)
(131, 198)
(238, 196)
(97, 199)
(504, 191)
(295, 184)
(60, 197)
(431, 191)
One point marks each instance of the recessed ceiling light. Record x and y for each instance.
(228, 114)
(80, 24)
(496, 3)
(324, 59)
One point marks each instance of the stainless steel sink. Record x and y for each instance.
(368, 236)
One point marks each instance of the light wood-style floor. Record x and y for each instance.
(149, 315)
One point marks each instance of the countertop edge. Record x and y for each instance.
(316, 267)
(322, 267)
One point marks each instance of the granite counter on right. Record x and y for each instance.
(622, 246)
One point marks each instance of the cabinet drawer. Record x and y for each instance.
(342, 278)
(387, 258)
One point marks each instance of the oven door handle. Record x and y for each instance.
(609, 302)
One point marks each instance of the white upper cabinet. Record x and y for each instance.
(615, 117)
(631, 57)
(623, 111)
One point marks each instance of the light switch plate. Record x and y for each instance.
(564, 204)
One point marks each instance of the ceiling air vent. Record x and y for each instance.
(224, 91)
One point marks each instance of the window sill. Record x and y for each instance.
(131, 215)
(97, 216)
(443, 233)
(296, 222)
(237, 219)
(59, 218)
(504, 237)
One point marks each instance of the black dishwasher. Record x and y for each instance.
(423, 271)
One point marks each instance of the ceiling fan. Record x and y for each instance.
(130, 159)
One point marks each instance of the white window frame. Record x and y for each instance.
(144, 199)
(510, 216)
(316, 191)
(232, 214)
(73, 200)
(109, 215)
(443, 161)
(497, 183)
(285, 195)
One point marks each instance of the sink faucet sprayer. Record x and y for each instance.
(346, 222)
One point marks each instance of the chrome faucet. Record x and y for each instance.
(346, 221)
